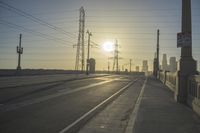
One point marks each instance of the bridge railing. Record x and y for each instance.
(161, 75)
(194, 86)
(193, 97)
(168, 78)
(193, 89)
(171, 80)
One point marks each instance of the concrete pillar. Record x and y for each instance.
(187, 65)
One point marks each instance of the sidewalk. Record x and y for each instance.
(157, 113)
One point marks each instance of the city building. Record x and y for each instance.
(164, 63)
(172, 64)
(145, 66)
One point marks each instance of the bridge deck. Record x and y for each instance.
(157, 113)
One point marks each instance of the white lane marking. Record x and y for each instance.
(131, 123)
(66, 129)
(41, 99)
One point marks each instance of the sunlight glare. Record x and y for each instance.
(108, 46)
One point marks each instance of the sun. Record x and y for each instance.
(108, 46)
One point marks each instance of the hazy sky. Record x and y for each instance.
(133, 23)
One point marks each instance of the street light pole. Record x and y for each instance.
(108, 65)
(187, 65)
(130, 64)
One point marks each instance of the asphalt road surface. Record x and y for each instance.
(51, 107)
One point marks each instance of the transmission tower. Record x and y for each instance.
(80, 57)
(116, 57)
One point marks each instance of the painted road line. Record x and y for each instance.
(131, 123)
(6, 108)
(73, 127)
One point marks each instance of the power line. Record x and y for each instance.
(148, 33)
(9, 24)
(130, 26)
(145, 38)
(145, 9)
(106, 21)
(31, 17)
(66, 18)
(56, 12)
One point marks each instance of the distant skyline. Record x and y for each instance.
(133, 23)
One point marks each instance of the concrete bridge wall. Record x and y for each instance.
(170, 79)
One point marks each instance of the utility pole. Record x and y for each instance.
(88, 54)
(158, 64)
(130, 64)
(108, 65)
(117, 56)
(19, 51)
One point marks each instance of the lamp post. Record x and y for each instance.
(187, 65)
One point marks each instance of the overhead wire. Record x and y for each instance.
(12, 25)
(31, 17)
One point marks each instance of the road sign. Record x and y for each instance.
(184, 39)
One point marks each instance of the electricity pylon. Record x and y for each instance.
(80, 57)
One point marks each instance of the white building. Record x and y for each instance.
(172, 64)
(145, 66)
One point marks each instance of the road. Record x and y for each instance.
(52, 107)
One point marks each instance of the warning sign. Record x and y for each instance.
(184, 39)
